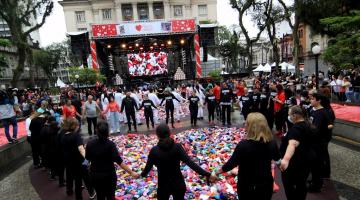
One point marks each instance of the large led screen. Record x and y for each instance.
(147, 64)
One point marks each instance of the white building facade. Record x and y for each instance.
(80, 14)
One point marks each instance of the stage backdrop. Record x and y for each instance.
(147, 63)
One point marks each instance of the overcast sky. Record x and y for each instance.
(54, 29)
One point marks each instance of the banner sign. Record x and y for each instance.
(143, 28)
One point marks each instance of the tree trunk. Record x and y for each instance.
(296, 39)
(20, 66)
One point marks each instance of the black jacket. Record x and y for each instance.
(129, 104)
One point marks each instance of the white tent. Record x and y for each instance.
(60, 83)
(260, 68)
(273, 65)
(267, 68)
(223, 72)
(287, 67)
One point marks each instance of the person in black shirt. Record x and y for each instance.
(78, 105)
(59, 162)
(210, 100)
(148, 105)
(290, 101)
(253, 156)
(325, 103)
(74, 154)
(130, 105)
(166, 156)
(35, 127)
(193, 107)
(246, 103)
(297, 153)
(102, 153)
(169, 105)
(226, 97)
(267, 106)
(320, 119)
(256, 100)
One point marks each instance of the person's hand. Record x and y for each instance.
(213, 178)
(135, 175)
(284, 165)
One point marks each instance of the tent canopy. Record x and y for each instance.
(267, 68)
(259, 68)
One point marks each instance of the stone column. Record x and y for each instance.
(135, 12)
(167, 10)
(151, 10)
(118, 12)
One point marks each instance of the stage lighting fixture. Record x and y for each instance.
(151, 47)
(182, 41)
(130, 47)
(162, 45)
(123, 46)
(137, 45)
(141, 48)
(169, 42)
(108, 46)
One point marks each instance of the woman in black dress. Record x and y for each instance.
(253, 156)
(102, 153)
(166, 156)
(297, 155)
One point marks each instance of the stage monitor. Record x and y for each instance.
(147, 63)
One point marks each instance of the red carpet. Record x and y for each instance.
(346, 112)
(21, 133)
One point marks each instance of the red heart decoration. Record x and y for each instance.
(138, 27)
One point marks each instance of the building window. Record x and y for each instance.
(202, 10)
(127, 12)
(158, 10)
(106, 13)
(178, 11)
(80, 16)
(82, 29)
(143, 11)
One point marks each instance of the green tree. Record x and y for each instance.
(215, 75)
(45, 60)
(343, 51)
(19, 14)
(86, 75)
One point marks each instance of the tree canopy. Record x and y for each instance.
(86, 75)
(343, 51)
(24, 17)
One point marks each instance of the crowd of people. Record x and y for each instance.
(302, 115)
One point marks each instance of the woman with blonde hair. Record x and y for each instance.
(253, 158)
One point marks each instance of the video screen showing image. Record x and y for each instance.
(147, 64)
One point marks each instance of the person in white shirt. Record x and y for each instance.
(177, 105)
(137, 100)
(155, 99)
(119, 96)
(200, 94)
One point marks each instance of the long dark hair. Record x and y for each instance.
(163, 133)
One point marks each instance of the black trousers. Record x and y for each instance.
(211, 113)
(318, 166)
(245, 113)
(77, 173)
(132, 116)
(60, 171)
(226, 109)
(279, 120)
(169, 110)
(218, 110)
(255, 192)
(35, 150)
(149, 116)
(91, 121)
(104, 185)
(165, 195)
(294, 181)
(193, 115)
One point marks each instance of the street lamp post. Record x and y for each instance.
(77, 80)
(316, 51)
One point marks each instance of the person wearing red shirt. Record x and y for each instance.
(279, 101)
(240, 89)
(69, 111)
(217, 90)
